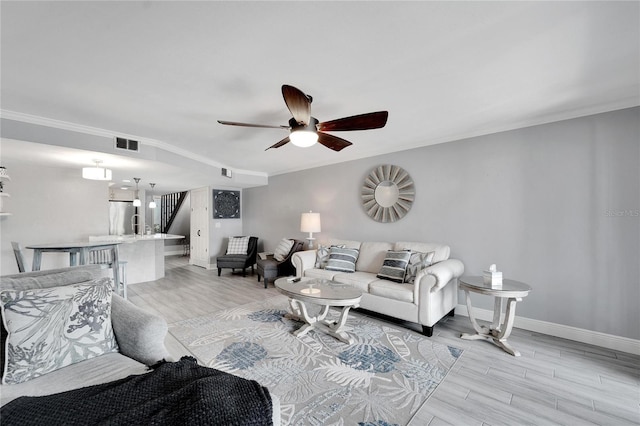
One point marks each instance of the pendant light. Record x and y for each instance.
(136, 199)
(152, 203)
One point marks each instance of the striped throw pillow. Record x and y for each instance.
(395, 266)
(238, 245)
(322, 255)
(283, 249)
(342, 259)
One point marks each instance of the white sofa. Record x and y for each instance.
(433, 295)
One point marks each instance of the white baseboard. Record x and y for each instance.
(176, 251)
(609, 341)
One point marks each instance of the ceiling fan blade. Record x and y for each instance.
(235, 123)
(279, 144)
(372, 120)
(333, 142)
(298, 103)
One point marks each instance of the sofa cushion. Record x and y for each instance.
(441, 251)
(394, 266)
(320, 273)
(342, 259)
(417, 262)
(102, 369)
(358, 279)
(54, 327)
(238, 245)
(372, 256)
(391, 290)
(282, 249)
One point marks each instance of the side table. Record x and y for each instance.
(513, 292)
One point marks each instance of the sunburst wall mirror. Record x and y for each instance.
(387, 193)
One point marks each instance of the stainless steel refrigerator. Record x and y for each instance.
(120, 214)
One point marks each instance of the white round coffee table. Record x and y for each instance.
(499, 331)
(324, 293)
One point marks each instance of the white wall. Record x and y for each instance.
(554, 205)
(49, 205)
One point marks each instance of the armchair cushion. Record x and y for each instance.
(54, 327)
(238, 245)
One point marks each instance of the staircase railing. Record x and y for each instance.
(169, 207)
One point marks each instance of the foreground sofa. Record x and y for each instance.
(140, 339)
(432, 295)
(140, 336)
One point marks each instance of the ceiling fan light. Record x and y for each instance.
(303, 138)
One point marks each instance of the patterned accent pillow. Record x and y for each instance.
(322, 255)
(238, 245)
(418, 262)
(395, 265)
(283, 249)
(51, 328)
(342, 259)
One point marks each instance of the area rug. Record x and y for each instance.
(382, 379)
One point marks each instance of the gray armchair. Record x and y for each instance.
(240, 261)
(270, 268)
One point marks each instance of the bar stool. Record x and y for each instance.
(103, 257)
(17, 251)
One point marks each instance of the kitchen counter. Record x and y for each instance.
(144, 254)
(130, 238)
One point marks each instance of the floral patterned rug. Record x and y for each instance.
(382, 379)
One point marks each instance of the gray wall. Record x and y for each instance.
(554, 205)
(47, 205)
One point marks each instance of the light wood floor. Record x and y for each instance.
(555, 381)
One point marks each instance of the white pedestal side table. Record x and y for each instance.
(513, 292)
(323, 293)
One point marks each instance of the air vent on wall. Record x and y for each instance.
(128, 144)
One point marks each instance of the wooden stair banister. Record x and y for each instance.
(169, 207)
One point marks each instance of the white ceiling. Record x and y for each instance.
(166, 71)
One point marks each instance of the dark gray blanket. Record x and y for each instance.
(174, 393)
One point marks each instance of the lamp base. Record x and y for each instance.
(310, 243)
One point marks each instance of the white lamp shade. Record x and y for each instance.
(152, 204)
(303, 138)
(96, 173)
(137, 202)
(310, 222)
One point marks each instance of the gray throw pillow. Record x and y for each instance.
(395, 266)
(322, 255)
(342, 259)
(417, 262)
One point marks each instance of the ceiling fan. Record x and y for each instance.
(306, 130)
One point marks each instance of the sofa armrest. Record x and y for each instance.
(140, 334)
(303, 260)
(443, 272)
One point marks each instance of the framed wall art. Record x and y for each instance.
(226, 204)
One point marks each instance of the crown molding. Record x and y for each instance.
(95, 131)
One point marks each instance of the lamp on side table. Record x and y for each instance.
(310, 222)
